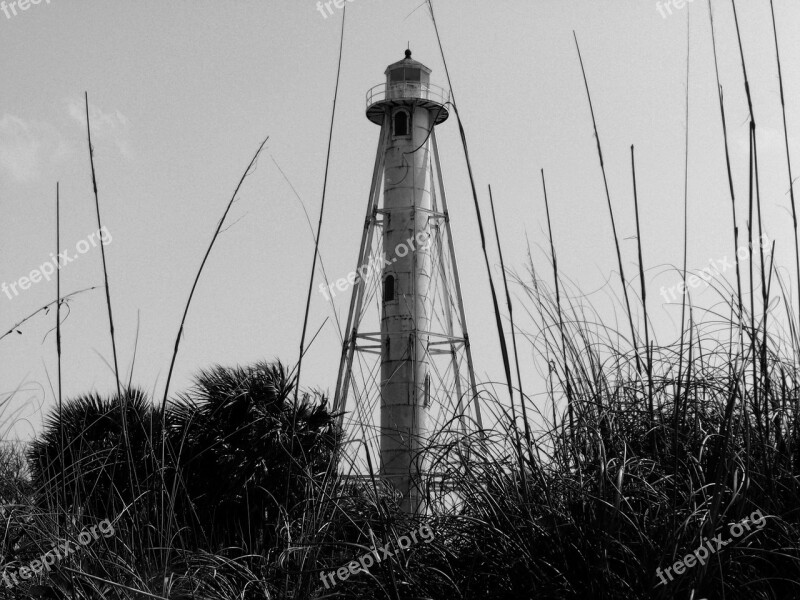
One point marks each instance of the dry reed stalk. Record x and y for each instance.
(648, 354)
(610, 211)
(102, 250)
(567, 377)
(516, 358)
(792, 322)
(321, 209)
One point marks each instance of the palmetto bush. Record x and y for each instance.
(239, 451)
(246, 451)
(97, 455)
(232, 472)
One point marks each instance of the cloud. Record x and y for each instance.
(28, 146)
(25, 146)
(113, 127)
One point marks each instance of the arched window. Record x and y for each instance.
(388, 288)
(402, 123)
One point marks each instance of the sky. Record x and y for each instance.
(182, 93)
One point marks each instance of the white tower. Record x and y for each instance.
(424, 383)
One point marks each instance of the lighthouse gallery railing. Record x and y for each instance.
(407, 89)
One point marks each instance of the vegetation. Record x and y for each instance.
(254, 506)
(639, 453)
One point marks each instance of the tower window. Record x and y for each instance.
(405, 74)
(402, 123)
(388, 288)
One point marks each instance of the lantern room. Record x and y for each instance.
(407, 84)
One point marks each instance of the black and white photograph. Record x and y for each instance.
(399, 300)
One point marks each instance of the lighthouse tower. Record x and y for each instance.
(416, 371)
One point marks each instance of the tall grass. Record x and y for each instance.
(611, 498)
(233, 489)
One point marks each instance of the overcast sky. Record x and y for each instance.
(182, 93)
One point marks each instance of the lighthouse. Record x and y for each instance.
(423, 377)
